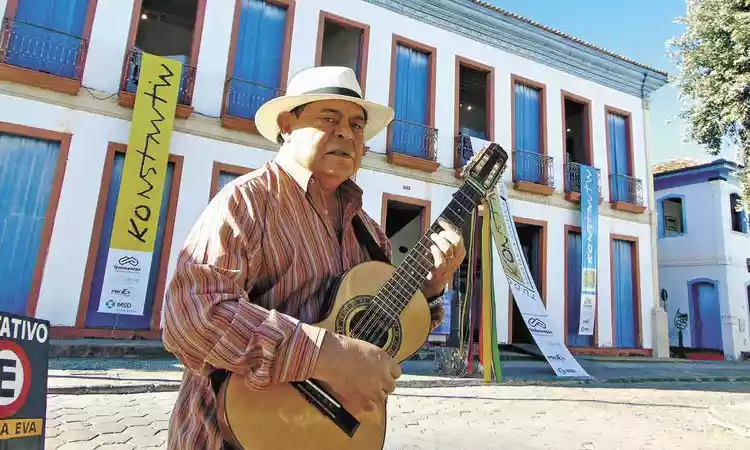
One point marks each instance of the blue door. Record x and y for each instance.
(573, 263)
(46, 36)
(256, 76)
(96, 319)
(626, 321)
(27, 170)
(528, 145)
(705, 320)
(409, 135)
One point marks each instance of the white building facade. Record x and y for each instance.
(704, 256)
(454, 70)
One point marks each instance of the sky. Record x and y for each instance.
(638, 29)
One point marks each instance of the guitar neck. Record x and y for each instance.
(409, 276)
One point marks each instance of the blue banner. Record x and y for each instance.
(589, 249)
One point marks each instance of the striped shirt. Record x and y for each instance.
(250, 278)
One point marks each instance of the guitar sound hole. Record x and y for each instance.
(369, 328)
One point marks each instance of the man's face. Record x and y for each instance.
(327, 139)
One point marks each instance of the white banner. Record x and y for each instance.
(126, 281)
(525, 293)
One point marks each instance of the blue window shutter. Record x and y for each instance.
(47, 35)
(27, 168)
(256, 76)
(95, 319)
(625, 320)
(618, 156)
(527, 132)
(573, 294)
(410, 105)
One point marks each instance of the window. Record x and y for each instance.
(622, 186)
(573, 281)
(343, 42)
(31, 171)
(672, 216)
(738, 215)
(166, 28)
(259, 56)
(412, 97)
(474, 99)
(224, 174)
(160, 257)
(47, 36)
(528, 115)
(576, 139)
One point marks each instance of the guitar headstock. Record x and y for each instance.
(485, 168)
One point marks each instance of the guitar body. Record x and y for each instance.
(280, 417)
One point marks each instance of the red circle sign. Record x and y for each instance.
(19, 380)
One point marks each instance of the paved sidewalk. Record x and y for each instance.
(611, 417)
(89, 375)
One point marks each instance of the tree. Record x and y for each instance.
(713, 58)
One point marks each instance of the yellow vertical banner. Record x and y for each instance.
(486, 296)
(138, 207)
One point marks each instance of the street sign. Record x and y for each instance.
(24, 354)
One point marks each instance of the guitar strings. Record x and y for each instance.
(378, 324)
(374, 323)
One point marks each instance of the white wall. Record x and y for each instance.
(71, 236)
(111, 26)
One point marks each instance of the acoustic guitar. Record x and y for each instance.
(375, 302)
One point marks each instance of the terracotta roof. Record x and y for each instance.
(677, 164)
(566, 36)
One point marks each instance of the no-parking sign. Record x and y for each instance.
(24, 355)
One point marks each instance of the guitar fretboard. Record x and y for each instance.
(408, 278)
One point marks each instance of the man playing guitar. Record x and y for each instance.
(257, 265)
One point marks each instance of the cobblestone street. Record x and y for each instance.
(484, 417)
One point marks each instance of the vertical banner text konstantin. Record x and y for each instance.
(136, 220)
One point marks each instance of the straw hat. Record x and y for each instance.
(322, 83)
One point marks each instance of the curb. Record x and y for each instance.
(110, 389)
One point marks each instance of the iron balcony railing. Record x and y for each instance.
(626, 189)
(413, 139)
(243, 98)
(534, 168)
(573, 178)
(132, 72)
(42, 49)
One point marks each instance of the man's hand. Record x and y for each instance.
(359, 373)
(448, 252)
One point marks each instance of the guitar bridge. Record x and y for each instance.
(326, 404)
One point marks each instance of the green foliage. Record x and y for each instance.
(713, 57)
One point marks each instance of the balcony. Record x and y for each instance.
(242, 99)
(413, 145)
(573, 182)
(41, 57)
(129, 84)
(626, 193)
(533, 172)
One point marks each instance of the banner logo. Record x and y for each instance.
(141, 189)
(128, 260)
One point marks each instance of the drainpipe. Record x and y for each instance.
(659, 320)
